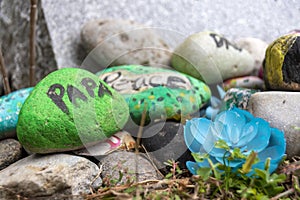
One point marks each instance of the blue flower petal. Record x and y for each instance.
(205, 162)
(209, 144)
(190, 141)
(199, 127)
(261, 140)
(277, 138)
(248, 133)
(274, 152)
(261, 165)
(192, 167)
(245, 113)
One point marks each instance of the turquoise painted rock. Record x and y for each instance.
(237, 97)
(250, 82)
(210, 57)
(68, 109)
(10, 106)
(162, 93)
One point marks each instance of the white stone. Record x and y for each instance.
(51, 176)
(281, 110)
(256, 48)
(212, 58)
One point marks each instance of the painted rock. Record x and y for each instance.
(251, 82)
(10, 106)
(120, 140)
(256, 48)
(126, 41)
(162, 93)
(212, 58)
(237, 97)
(282, 63)
(68, 109)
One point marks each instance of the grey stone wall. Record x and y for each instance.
(60, 23)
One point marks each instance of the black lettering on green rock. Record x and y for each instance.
(139, 83)
(175, 82)
(156, 84)
(220, 41)
(103, 90)
(57, 98)
(112, 77)
(74, 94)
(89, 85)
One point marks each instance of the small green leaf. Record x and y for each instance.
(169, 175)
(204, 172)
(237, 154)
(267, 164)
(263, 174)
(246, 168)
(177, 197)
(221, 144)
(200, 157)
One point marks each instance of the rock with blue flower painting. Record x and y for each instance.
(234, 132)
(10, 106)
(162, 93)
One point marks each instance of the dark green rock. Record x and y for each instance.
(68, 109)
(237, 97)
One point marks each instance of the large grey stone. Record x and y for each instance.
(56, 176)
(59, 25)
(124, 167)
(281, 110)
(14, 41)
(122, 42)
(10, 152)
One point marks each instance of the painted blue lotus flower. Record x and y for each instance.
(239, 129)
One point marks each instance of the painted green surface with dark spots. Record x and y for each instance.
(163, 93)
(68, 109)
(237, 97)
(282, 63)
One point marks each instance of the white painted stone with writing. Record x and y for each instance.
(281, 110)
(211, 57)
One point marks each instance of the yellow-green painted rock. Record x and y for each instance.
(162, 93)
(282, 63)
(68, 109)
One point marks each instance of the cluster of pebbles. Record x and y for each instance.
(79, 121)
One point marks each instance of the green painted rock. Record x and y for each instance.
(163, 93)
(282, 63)
(68, 109)
(212, 58)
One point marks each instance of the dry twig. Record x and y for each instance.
(7, 89)
(33, 16)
